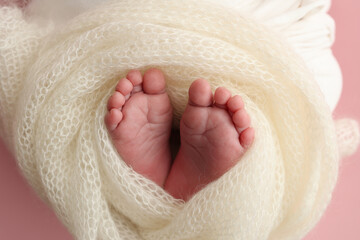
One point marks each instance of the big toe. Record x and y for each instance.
(200, 93)
(154, 81)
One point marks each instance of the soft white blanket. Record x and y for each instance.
(54, 83)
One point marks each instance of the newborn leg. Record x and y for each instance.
(214, 136)
(139, 122)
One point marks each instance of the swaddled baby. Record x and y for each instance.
(214, 130)
(67, 142)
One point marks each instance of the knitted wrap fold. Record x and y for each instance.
(54, 84)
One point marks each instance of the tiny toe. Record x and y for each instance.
(134, 77)
(200, 93)
(154, 81)
(116, 100)
(235, 103)
(241, 119)
(113, 118)
(247, 137)
(124, 87)
(221, 97)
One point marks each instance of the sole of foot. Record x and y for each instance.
(139, 122)
(215, 133)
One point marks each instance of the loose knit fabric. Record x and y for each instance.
(54, 85)
(305, 24)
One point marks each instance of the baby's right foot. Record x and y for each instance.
(139, 122)
(214, 136)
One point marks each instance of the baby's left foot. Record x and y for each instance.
(139, 122)
(214, 136)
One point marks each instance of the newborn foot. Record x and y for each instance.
(139, 122)
(214, 136)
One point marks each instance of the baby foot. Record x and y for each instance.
(214, 136)
(139, 122)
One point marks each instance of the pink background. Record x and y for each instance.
(24, 216)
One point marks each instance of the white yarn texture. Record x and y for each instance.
(305, 24)
(54, 84)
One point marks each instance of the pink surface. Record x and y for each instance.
(24, 216)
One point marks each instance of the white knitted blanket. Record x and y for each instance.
(54, 84)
